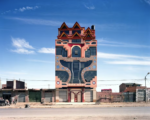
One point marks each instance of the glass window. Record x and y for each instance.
(93, 42)
(58, 42)
(93, 50)
(76, 51)
(78, 31)
(67, 32)
(87, 40)
(62, 75)
(64, 27)
(76, 26)
(61, 51)
(94, 61)
(61, 32)
(87, 43)
(89, 75)
(62, 67)
(88, 53)
(76, 41)
(65, 40)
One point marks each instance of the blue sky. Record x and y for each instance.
(28, 30)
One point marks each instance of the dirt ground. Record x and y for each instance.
(79, 118)
(97, 117)
(53, 105)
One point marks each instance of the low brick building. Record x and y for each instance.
(125, 86)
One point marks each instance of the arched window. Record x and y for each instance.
(76, 51)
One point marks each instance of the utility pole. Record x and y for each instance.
(145, 86)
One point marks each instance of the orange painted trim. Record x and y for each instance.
(58, 80)
(77, 25)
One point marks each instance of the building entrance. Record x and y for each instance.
(76, 96)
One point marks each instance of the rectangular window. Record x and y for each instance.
(78, 31)
(58, 42)
(93, 50)
(87, 40)
(65, 40)
(58, 50)
(93, 42)
(88, 53)
(67, 32)
(76, 41)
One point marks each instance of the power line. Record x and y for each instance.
(97, 80)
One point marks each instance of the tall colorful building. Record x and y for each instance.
(76, 64)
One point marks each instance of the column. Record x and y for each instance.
(14, 84)
(69, 95)
(83, 95)
(27, 96)
(53, 97)
(42, 95)
(94, 94)
(57, 95)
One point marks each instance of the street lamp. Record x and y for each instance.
(145, 85)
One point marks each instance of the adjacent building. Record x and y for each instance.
(124, 86)
(76, 64)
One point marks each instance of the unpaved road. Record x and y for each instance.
(113, 113)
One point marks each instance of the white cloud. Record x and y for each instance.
(21, 9)
(21, 43)
(147, 1)
(21, 46)
(131, 62)
(27, 8)
(47, 50)
(102, 42)
(16, 73)
(40, 21)
(89, 5)
(23, 51)
(117, 56)
(124, 59)
(6, 12)
(43, 61)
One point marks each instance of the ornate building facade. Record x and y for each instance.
(76, 64)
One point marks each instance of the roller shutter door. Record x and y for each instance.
(21, 97)
(48, 97)
(1, 96)
(88, 96)
(62, 96)
(35, 96)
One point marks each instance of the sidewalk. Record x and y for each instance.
(76, 105)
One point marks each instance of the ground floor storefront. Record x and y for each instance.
(31, 95)
(76, 95)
